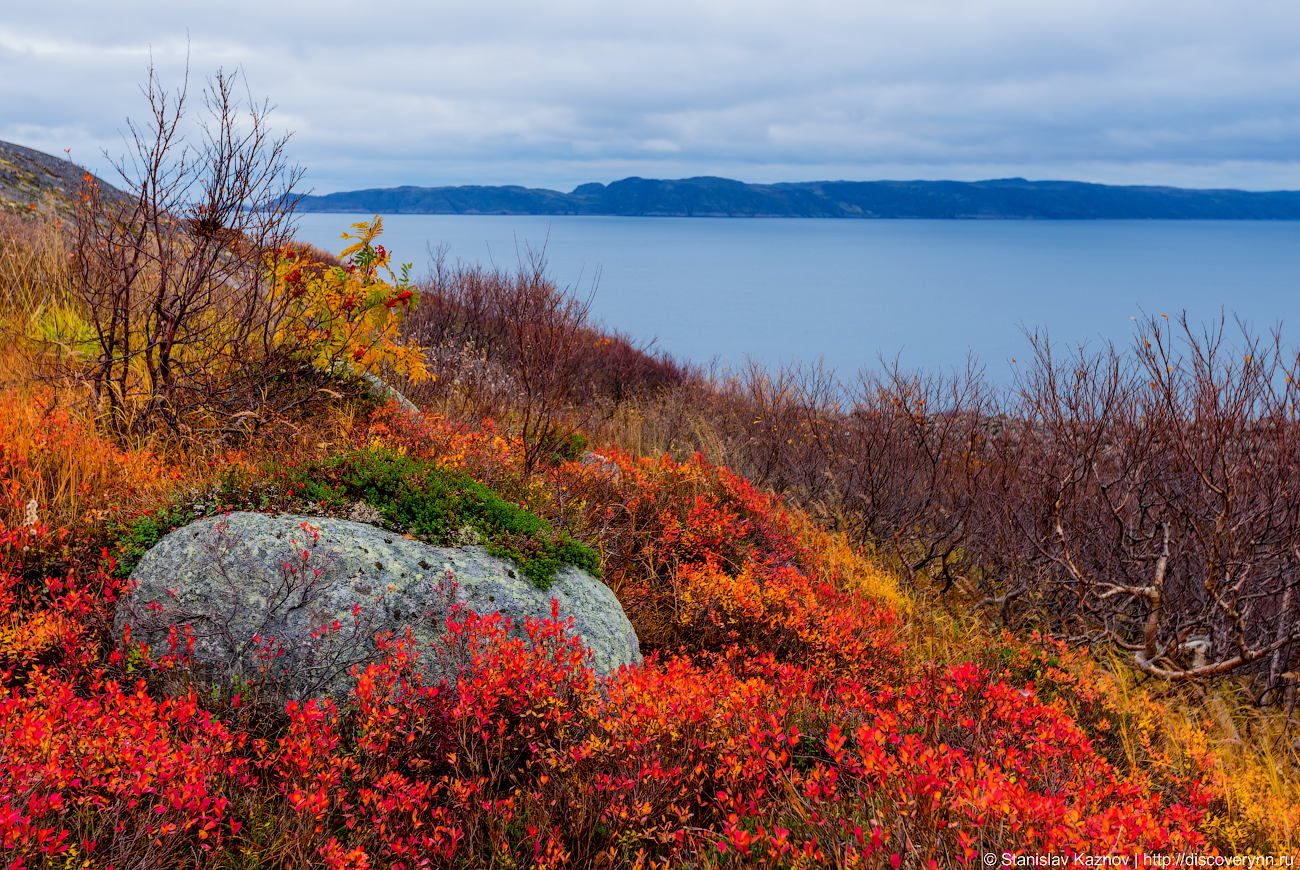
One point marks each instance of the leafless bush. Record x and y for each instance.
(1156, 500)
(1145, 499)
(173, 277)
(891, 462)
(516, 344)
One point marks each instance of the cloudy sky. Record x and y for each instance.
(1201, 93)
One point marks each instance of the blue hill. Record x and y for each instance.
(707, 196)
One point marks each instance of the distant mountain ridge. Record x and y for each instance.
(708, 196)
(28, 177)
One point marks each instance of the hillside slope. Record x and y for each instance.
(27, 176)
(798, 706)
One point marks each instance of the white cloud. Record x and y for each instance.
(1193, 92)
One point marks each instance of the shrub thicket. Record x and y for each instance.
(1140, 499)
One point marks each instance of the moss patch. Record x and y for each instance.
(138, 536)
(437, 504)
(442, 507)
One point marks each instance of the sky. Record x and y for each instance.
(1193, 93)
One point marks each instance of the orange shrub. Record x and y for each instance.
(52, 627)
(346, 316)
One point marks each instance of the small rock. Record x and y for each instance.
(603, 464)
(360, 512)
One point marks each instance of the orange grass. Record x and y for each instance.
(58, 462)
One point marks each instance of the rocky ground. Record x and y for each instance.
(32, 180)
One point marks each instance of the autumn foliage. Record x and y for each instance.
(780, 719)
(795, 708)
(346, 315)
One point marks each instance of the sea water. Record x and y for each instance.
(850, 293)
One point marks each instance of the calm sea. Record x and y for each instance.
(849, 292)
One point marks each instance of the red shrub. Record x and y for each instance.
(113, 773)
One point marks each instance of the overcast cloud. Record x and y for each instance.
(1192, 93)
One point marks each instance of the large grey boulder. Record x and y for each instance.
(263, 594)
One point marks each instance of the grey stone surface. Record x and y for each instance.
(603, 464)
(251, 585)
(390, 393)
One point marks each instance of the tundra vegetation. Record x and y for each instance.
(905, 622)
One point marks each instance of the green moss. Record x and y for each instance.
(439, 504)
(137, 537)
(566, 447)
